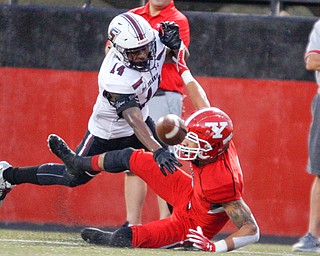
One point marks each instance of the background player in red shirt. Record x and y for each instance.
(202, 202)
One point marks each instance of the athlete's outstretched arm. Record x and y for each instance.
(166, 161)
(196, 93)
(169, 35)
(128, 107)
(134, 118)
(248, 230)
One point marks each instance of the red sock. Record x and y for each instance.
(94, 163)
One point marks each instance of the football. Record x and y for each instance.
(171, 129)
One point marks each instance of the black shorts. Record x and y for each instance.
(92, 145)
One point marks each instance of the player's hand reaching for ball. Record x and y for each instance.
(166, 161)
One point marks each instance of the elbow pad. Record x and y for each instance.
(122, 101)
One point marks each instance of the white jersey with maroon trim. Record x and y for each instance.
(114, 77)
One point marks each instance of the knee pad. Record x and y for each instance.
(117, 160)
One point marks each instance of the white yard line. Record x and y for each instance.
(81, 244)
(264, 253)
(40, 242)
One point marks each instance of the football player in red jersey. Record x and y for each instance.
(202, 202)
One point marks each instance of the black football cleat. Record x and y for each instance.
(61, 150)
(96, 236)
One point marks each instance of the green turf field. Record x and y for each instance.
(21, 242)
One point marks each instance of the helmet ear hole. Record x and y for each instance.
(207, 147)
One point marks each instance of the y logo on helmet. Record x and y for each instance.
(217, 128)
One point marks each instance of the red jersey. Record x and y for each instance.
(196, 199)
(171, 80)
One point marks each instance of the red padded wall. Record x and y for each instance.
(271, 120)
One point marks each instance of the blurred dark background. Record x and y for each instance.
(260, 7)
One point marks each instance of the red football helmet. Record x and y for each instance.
(211, 130)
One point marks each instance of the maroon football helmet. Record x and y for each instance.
(211, 129)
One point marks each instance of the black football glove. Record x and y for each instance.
(166, 161)
(169, 35)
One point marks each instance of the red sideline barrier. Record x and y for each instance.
(271, 120)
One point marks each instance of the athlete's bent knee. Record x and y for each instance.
(117, 160)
